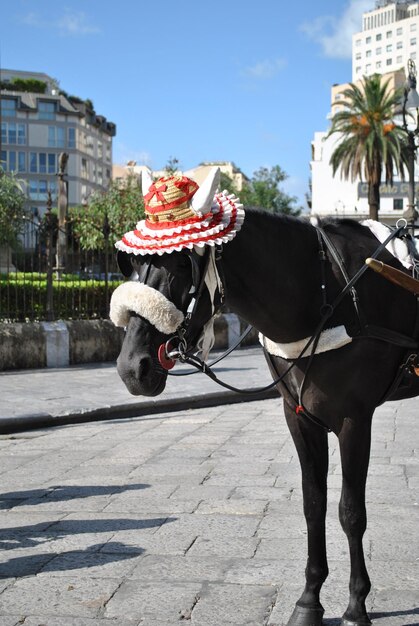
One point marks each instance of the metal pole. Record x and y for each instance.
(106, 233)
(411, 213)
(49, 254)
(62, 215)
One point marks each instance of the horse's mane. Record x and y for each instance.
(278, 219)
(332, 224)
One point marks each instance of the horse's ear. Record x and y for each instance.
(203, 198)
(146, 180)
(124, 263)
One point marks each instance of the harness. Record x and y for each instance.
(181, 352)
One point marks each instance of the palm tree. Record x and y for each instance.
(370, 140)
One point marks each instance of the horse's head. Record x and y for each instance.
(174, 287)
(164, 306)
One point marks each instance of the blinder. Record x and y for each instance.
(137, 269)
(131, 267)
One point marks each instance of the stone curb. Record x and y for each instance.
(10, 425)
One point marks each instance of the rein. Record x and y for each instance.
(327, 310)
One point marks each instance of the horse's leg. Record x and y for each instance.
(312, 446)
(355, 441)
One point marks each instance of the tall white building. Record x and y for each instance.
(389, 38)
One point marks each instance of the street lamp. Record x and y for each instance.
(411, 101)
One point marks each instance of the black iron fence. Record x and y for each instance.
(47, 276)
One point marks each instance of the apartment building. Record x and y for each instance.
(389, 37)
(384, 46)
(38, 123)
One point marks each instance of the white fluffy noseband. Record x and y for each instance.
(147, 302)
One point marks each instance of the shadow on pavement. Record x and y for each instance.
(67, 561)
(44, 532)
(62, 493)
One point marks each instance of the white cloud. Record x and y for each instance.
(334, 34)
(72, 23)
(76, 23)
(264, 70)
(124, 153)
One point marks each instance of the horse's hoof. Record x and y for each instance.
(304, 616)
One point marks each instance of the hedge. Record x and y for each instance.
(23, 297)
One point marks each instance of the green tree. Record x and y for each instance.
(369, 140)
(172, 166)
(109, 214)
(263, 191)
(12, 215)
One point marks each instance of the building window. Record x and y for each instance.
(399, 59)
(389, 61)
(12, 161)
(378, 37)
(55, 137)
(71, 137)
(43, 163)
(413, 56)
(84, 168)
(378, 65)
(389, 33)
(8, 107)
(38, 189)
(368, 68)
(368, 40)
(368, 53)
(399, 45)
(398, 204)
(358, 42)
(389, 48)
(21, 162)
(52, 163)
(46, 110)
(413, 27)
(413, 41)
(21, 134)
(33, 162)
(357, 56)
(378, 51)
(399, 31)
(13, 133)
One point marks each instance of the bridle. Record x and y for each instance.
(177, 347)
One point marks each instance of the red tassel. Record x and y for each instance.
(299, 409)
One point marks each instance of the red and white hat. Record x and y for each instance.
(179, 215)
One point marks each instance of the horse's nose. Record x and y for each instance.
(134, 369)
(144, 367)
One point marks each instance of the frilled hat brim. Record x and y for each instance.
(218, 226)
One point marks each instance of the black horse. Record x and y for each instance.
(285, 276)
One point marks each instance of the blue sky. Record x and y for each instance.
(223, 80)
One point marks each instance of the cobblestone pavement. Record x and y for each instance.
(194, 517)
